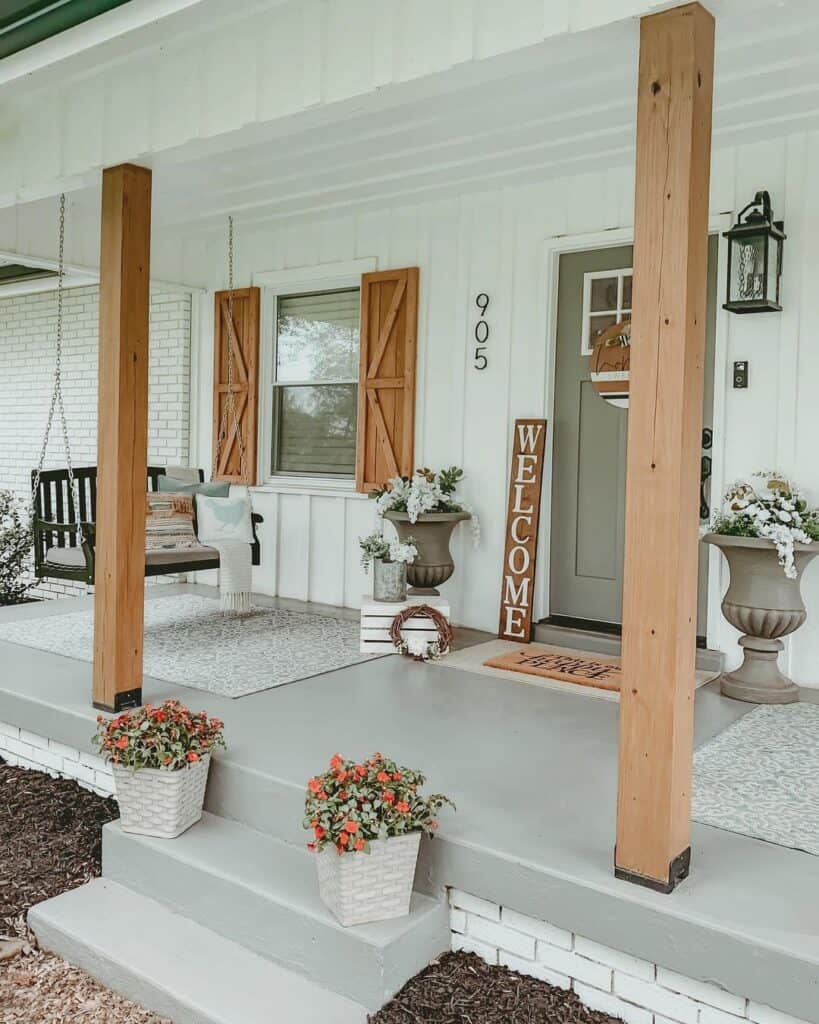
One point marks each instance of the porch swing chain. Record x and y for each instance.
(57, 395)
(230, 398)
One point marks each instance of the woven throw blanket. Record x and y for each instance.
(235, 573)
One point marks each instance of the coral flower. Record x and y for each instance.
(351, 827)
(311, 847)
(389, 796)
(314, 785)
(122, 742)
(360, 844)
(336, 761)
(396, 776)
(383, 777)
(343, 839)
(319, 831)
(402, 807)
(192, 756)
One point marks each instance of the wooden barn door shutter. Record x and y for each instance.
(245, 337)
(386, 383)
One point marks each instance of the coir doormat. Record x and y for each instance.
(568, 667)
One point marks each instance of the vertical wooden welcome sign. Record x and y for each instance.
(523, 515)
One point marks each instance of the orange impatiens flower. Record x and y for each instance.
(192, 756)
(351, 805)
(122, 743)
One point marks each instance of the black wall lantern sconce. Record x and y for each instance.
(755, 259)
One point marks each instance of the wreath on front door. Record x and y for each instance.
(416, 647)
(611, 363)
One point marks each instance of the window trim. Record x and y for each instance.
(596, 275)
(274, 283)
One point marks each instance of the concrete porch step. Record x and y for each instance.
(263, 894)
(174, 966)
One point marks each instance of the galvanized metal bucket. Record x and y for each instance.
(389, 580)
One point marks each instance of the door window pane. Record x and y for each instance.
(604, 294)
(598, 324)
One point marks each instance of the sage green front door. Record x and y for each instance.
(589, 464)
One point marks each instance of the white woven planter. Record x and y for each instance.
(153, 802)
(360, 887)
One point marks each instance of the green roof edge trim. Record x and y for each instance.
(50, 22)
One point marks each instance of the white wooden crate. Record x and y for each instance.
(377, 616)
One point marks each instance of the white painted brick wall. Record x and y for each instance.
(27, 326)
(29, 750)
(605, 979)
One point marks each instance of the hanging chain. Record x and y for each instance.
(57, 404)
(230, 409)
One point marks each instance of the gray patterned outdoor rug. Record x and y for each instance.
(189, 642)
(760, 777)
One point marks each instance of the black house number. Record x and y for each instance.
(481, 332)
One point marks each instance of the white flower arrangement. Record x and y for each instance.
(776, 511)
(376, 545)
(421, 649)
(425, 491)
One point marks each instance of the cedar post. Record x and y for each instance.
(122, 436)
(665, 421)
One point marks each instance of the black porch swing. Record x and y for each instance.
(64, 501)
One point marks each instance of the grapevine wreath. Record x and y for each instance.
(431, 649)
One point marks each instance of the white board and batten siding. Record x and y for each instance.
(496, 242)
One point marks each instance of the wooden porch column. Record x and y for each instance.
(122, 431)
(665, 421)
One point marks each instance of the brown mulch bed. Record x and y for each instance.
(50, 837)
(50, 841)
(460, 988)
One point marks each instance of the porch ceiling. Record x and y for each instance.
(562, 108)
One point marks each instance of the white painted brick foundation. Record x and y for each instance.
(605, 979)
(27, 325)
(25, 749)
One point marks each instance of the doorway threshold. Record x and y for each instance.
(604, 638)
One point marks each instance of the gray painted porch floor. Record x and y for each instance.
(533, 773)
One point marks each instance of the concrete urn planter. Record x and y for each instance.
(765, 605)
(155, 802)
(359, 887)
(432, 532)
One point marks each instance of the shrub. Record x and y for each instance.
(168, 737)
(352, 804)
(15, 548)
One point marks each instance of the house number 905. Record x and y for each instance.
(481, 332)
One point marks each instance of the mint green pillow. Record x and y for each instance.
(219, 489)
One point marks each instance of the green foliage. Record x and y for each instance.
(352, 804)
(734, 525)
(374, 545)
(15, 549)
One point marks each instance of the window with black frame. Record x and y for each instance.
(315, 387)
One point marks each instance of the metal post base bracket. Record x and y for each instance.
(124, 701)
(677, 871)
